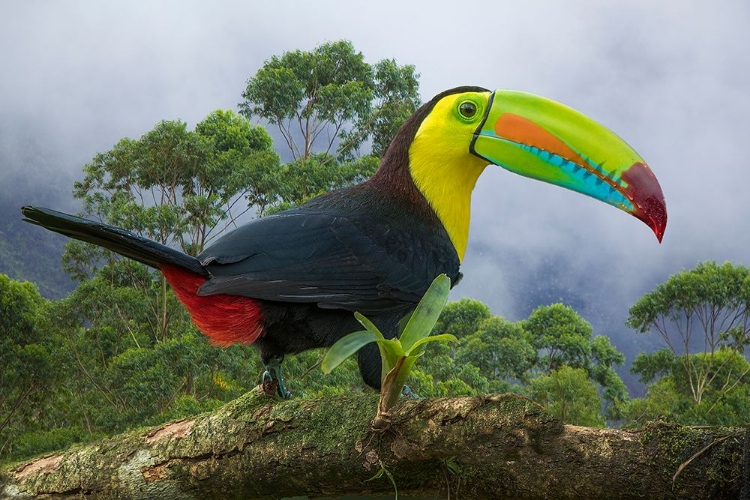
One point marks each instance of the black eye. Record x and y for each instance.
(467, 109)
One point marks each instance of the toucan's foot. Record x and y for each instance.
(274, 387)
(273, 382)
(408, 393)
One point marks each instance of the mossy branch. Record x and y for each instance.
(494, 446)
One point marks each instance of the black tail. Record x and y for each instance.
(118, 240)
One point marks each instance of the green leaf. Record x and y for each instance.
(445, 337)
(403, 322)
(394, 381)
(380, 474)
(390, 350)
(427, 312)
(369, 325)
(345, 347)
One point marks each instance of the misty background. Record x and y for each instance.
(670, 77)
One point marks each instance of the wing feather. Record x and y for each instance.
(354, 262)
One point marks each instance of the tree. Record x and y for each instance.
(569, 395)
(242, 165)
(305, 178)
(563, 338)
(705, 307)
(501, 349)
(326, 97)
(176, 186)
(462, 318)
(472, 447)
(396, 98)
(502, 356)
(105, 370)
(27, 362)
(725, 399)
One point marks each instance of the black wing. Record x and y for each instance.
(371, 264)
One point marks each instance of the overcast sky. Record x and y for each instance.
(672, 78)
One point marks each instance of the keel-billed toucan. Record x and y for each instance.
(291, 281)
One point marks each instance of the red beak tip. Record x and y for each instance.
(659, 234)
(645, 192)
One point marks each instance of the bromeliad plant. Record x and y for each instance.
(397, 355)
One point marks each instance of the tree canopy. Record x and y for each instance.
(702, 376)
(330, 101)
(178, 186)
(528, 357)
(705, 307)
(28, 368)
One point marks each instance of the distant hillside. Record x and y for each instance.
(33, 172)
(27, 252)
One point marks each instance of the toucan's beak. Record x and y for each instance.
(545, 140)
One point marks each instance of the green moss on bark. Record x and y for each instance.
(488, 446)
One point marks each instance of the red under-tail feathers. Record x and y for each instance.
(226, 319)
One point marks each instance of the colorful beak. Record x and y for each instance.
(548, 141)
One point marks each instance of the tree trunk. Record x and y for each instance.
(495, 446)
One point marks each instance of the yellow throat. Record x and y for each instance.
(444, 170)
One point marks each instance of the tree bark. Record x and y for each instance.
(494, 446)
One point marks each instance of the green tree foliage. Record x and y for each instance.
(500, 349)
(463, 317)
(243, 164)
(331, 96)
(497, 355)
(305, 178)
(570, 395)
(563, 338)
(396, 98)
(704, 308)
(92, 364)
(725, 399)
(177, 186)
(28, 365)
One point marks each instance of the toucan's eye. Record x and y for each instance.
(467, 109)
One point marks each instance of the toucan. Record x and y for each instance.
(291, 281)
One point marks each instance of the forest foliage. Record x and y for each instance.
(120, 351)
(95, 364)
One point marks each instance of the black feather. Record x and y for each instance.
(113, 238)
(358, 249)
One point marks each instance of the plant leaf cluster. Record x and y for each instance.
(398, 355)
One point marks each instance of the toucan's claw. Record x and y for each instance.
(408, 393)
(273, 382)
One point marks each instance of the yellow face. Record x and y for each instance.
(442, 165)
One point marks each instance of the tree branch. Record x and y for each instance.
(485, 447)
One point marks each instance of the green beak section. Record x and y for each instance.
(548, 141)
